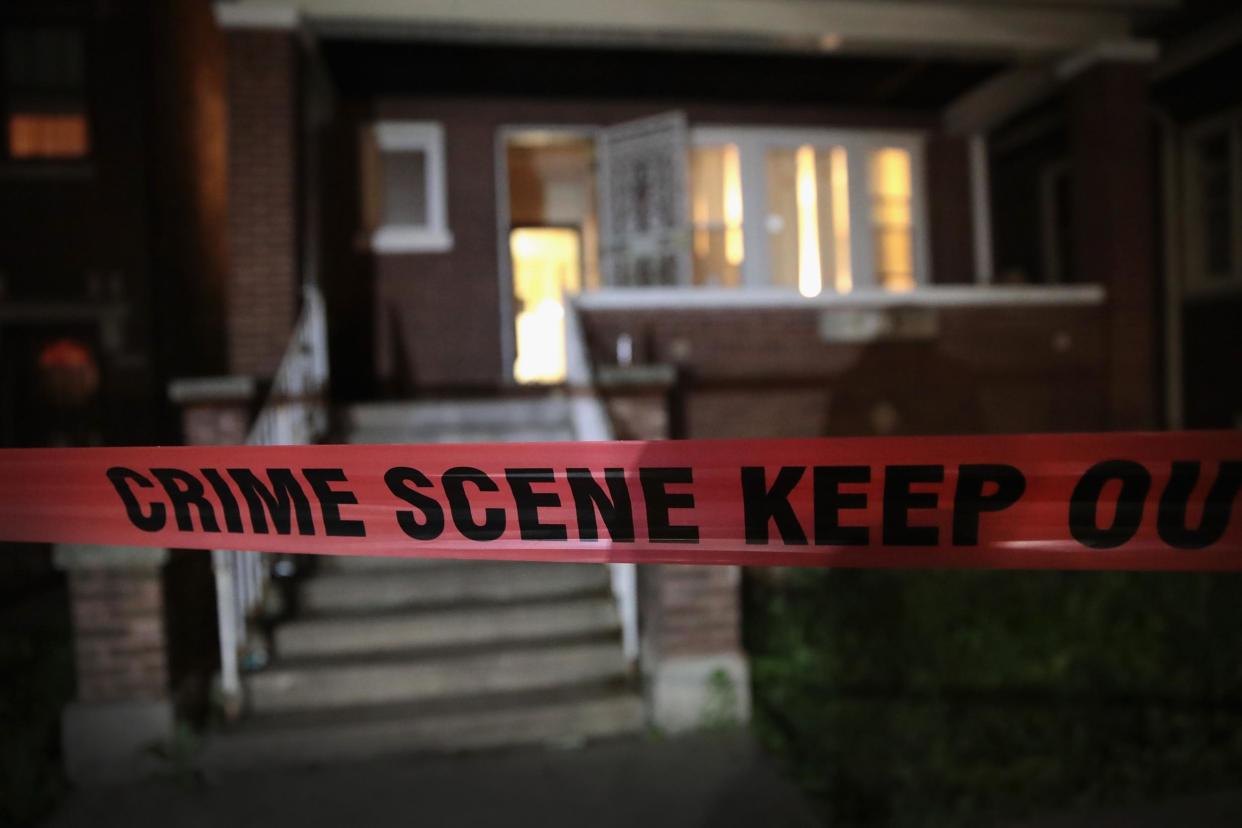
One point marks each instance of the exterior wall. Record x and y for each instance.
(74, 239)
(1113, 215)
(949, 210)
(437, 317)
(263, 204)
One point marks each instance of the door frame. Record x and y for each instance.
(508, 334)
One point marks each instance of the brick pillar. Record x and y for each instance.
(1113, 225)
(262, 55)
(694, 671)
(949, 213)
(215, 411)
(122, 707)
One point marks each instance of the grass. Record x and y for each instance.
(37, 662)
(960, 698)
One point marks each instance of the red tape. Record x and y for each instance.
(1087, 501)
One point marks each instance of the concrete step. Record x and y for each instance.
(438, 586)
(384, 437)
(418, 420)
(334, 636)
(352, 683)
(379, 563)
(333, 737)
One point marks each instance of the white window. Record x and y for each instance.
(1213, 156)
(404, 193)
(811, 210)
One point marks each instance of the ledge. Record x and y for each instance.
(666, 298)
(211, 389)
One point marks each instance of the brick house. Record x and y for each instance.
(753, 219)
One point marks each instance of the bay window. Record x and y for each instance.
(807, 210)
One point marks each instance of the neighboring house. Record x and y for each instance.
(765, 218)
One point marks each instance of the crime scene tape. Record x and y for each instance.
(1085, 501)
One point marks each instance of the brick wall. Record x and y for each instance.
(118, 633)
(263, 198)
(690, 610)
(768, 373)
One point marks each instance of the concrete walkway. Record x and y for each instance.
(715, 779)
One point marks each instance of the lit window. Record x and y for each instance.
(716, 205)
(44, 94)
(403, 179)
(808, 221)
(817, 211)
(891, 219)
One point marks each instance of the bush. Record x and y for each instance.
(928, 698)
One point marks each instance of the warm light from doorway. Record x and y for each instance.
(546, 268)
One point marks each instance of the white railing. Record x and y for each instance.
(294, 413)
(590, 420)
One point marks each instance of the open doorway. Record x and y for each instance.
(552, 242)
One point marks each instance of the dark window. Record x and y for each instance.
(44, 94)
(1215, 174)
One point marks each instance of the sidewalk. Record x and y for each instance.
(718, 779)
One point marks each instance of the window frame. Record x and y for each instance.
(84, 104)
(1197, 280)
(754, 141)
(427, 137)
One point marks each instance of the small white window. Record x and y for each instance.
(403, 179)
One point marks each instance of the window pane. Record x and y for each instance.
(808, 219)
(40, 135)
(405, 188)
(891, 205)
(43, 62)
(1215, 171)
(716, 205)
(43, 90)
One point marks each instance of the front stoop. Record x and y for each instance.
(390, 656)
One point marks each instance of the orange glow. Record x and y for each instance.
(46, 135)
(546, 267)
(891, 219)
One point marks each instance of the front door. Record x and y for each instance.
(644, 217)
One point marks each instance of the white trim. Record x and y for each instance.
(892, 26)
(401, 239)
(414, 136)
(256, 16)
(1197, 282)
(1127, 50)
(713, 298)
(508, 334)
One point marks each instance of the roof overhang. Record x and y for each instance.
(1018, 29)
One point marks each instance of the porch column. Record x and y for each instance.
(694, 671)
(263, 68)
(1112, 203)
(122, 707)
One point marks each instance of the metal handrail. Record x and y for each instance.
(590, 420)
(295, 412)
